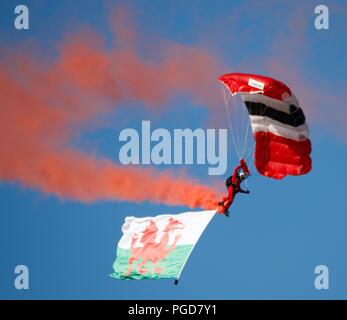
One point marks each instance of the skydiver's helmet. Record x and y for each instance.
(242, 176)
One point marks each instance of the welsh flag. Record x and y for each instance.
(158, 247)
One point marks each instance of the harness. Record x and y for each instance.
(235, 188)
(228, 183)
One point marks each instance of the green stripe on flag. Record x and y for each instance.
(171, 265)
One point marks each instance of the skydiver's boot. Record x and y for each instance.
(226, 213)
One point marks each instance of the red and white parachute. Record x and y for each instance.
(281, 135)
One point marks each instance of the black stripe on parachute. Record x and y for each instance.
(295, 118)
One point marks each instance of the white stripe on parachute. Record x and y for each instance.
(266, 124)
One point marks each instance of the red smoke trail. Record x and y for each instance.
(44, 104)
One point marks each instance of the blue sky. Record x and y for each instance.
(275, 236)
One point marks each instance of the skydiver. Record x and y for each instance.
(233, 183)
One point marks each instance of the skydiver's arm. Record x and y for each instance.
(230, 191)
(226, 198)
(244, 191)
(245, 167)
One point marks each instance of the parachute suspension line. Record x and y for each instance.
(248, 147)
(248, 140)
(231, 118)
(240, 128)
(240, 124)
(226, 103)
(242, 136)
(236, 123)
(250, 150)
(244, 133)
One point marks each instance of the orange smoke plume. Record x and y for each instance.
(46, 103)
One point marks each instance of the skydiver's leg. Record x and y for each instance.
(230, 194)
(228, 204)
(227, 201)
(245, 168)
(230, 197)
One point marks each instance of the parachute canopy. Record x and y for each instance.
(282, 145)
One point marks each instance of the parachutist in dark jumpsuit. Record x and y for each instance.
(233, 183)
